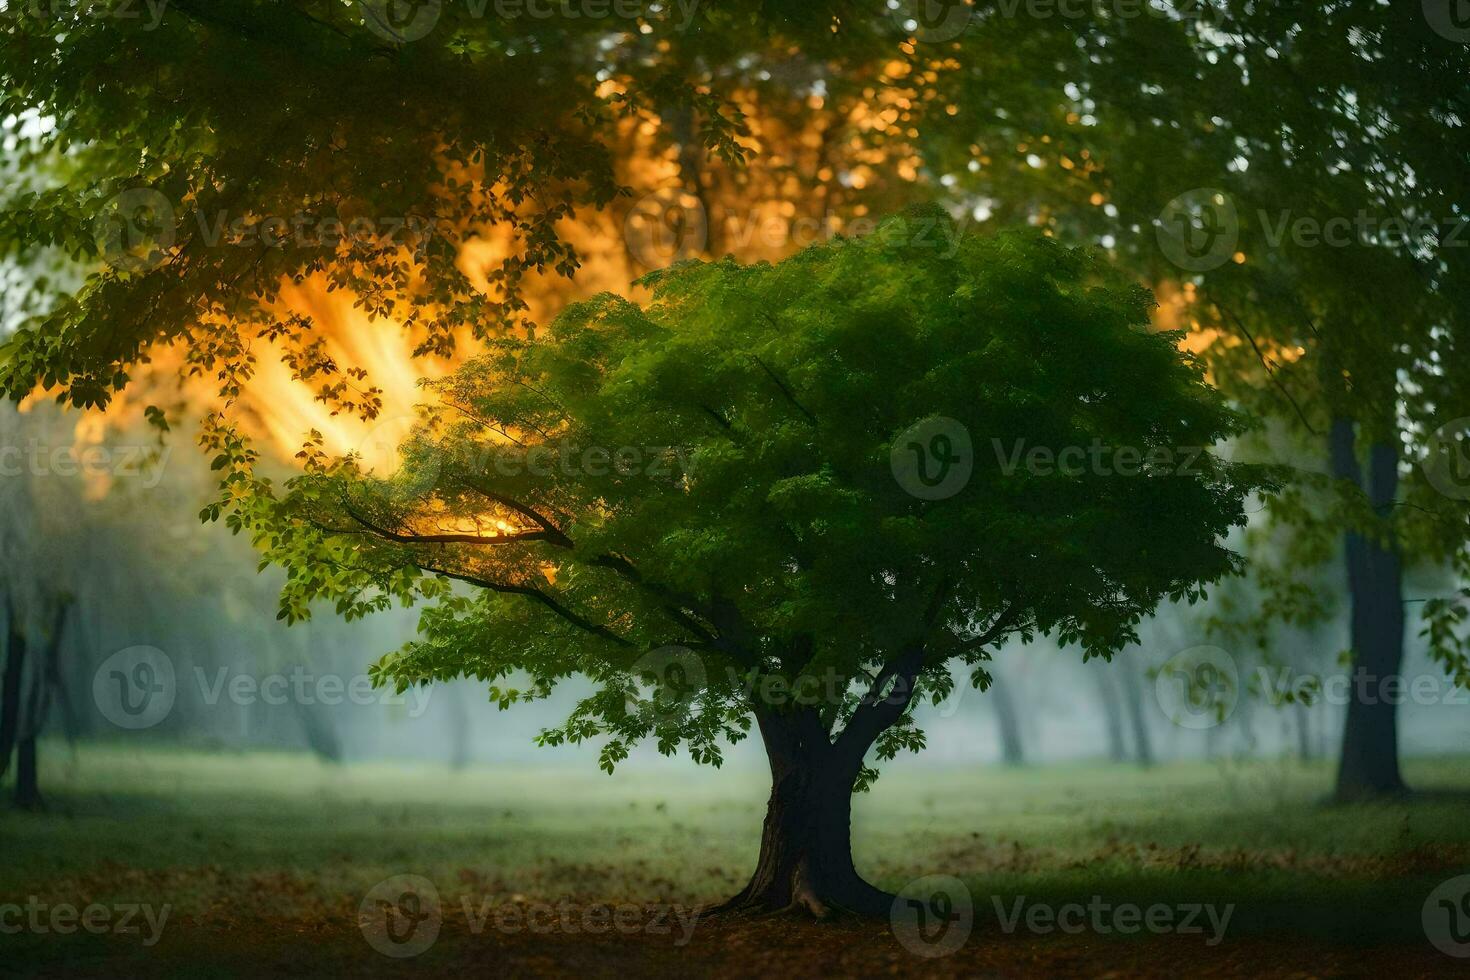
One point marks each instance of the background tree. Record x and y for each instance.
(1249, 122)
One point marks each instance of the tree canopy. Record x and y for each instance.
(721, 472)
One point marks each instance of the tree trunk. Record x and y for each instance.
(805, 861)
(1112, 714)
(27, 784)
(1143, 750)
(10, 685)
(1011, 752)
(1304, 749)
(459, 728)
(321, 734)
(1369, 766)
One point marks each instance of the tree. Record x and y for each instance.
(1326, 159)
(720, 491)
(37, 574)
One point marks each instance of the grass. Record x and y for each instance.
(277, 844)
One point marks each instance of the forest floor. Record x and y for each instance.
(170, 863)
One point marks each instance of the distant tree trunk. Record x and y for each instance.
(47, 676)
(1011, 752)
(321, 734)
(1304, 748)
(27, 782)
(1369, 766)
(10, 685)
(1143, 751)
(459, 729)
(316, 719)
(1112, 714)
(55, 678)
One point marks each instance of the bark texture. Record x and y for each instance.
(1369, 765)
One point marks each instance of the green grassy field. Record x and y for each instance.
(276, 851)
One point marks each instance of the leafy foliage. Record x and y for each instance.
(708, 481)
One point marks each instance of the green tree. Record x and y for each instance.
(793, 492)
(1317, 156)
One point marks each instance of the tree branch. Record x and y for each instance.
(456, 538)
(531, 593)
